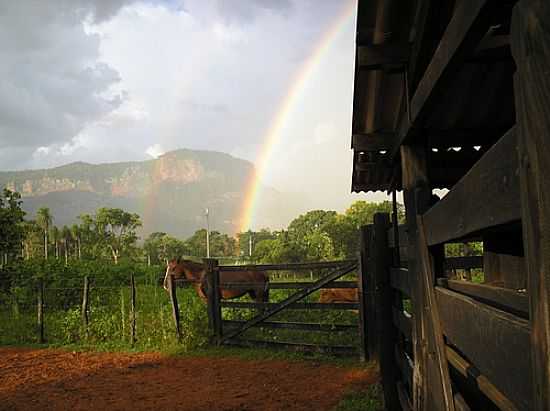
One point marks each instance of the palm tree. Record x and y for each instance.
(66, 238)
(44, 219)
(75, 233)
(54, 236)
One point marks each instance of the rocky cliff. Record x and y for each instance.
(170, 192)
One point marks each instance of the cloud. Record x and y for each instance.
(52, 83)
(245, 11)
(155, 150)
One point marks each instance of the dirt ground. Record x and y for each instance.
(59, 380)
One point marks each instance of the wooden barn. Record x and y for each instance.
(455, 95)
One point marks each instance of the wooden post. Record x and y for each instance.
(175, 307)
(84, 310)
(415, 183)
(214, 296)
(385, 329)
(366, 352)
(530, 42)
(41, 338)
(132, 309)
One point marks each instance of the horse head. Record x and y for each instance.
(179, 268)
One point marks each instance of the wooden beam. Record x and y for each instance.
(502, 298)
(379, 56)
(467, 27)
(372, 141)
(467, 370)
(295, 326)
(293, 306)
(288, 266)
(487, 196)
(437, 366)
(496, 342)
(530, 33)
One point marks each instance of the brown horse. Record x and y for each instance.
(255, 283)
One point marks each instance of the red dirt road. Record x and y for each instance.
(60, 380)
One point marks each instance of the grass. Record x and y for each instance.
(370, 399)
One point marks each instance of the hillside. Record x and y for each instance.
(170, 193)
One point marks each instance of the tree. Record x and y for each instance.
(44, 220)
(160, 247)
(248, 240)
(55, 237)
(221, 245)
(117, 230)
(11, 224)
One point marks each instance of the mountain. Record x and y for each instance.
(170, 193)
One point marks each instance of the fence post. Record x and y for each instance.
(214, 297)
(386, 331)
(366, 351)
(84, 311)
(133, 309)
(41, 311)
(175, 307)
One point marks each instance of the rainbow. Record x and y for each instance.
(285, 110)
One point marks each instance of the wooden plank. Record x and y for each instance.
(438, 366)
(286, 345)
(403, 321)
(405, 364)
(293, 306)
(277, 307)
(503, 298)
(132, 309)
(386, 331)
(84, 311)
(293, 285)
(403, 237)
(416, 194)
(287, 267)
(495, 341)
(458, 263)
(530, 40)
(380, 56)
(467, 27)
(366, 350)
(488, 195)
(467, 370)
(400, 280)
(296, 326)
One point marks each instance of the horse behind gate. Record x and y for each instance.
(233, 284)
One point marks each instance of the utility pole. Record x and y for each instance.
(207, 234)
(250, 243)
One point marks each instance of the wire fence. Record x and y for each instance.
(34, 311)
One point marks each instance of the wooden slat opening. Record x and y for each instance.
(502, 298)
(403, 321)
(300, 347)
(487, 196)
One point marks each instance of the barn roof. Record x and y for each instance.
(403, 96)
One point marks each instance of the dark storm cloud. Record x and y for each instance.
(51, 82)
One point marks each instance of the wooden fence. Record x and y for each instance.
(481, 330)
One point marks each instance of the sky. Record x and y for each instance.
(119, 80)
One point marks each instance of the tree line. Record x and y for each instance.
(112, 234)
